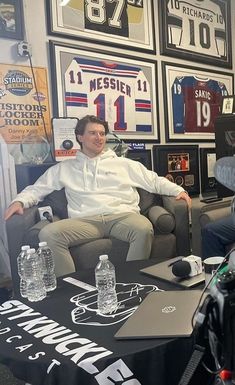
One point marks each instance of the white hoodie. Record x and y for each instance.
(105, 184)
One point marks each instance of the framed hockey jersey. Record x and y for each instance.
(127, 23)
(119, 90)
(197, 30)
(193, 100)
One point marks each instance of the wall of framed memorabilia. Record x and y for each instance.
(158, 71)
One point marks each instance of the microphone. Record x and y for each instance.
(181, 269)
(187, 267)
(48, 216)
(45, 213)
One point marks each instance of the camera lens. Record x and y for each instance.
(226, 281)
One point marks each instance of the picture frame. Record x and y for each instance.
(207, 163)
(193, 32)
(142, 156)
(64, 140)
(192, 100)
(228, 104)
(130, 24)
(121, 90)
(11, 19)
(179, 164)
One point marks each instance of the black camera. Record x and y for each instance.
(214, 334)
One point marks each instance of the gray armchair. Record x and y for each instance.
(170, 219)
(203, 213)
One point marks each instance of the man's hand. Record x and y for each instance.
(186, 197)
(14, 208)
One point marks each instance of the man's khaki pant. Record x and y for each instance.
(130, 227)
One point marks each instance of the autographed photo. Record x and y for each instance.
(120, 90)
(193, 100)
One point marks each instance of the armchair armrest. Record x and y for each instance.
(16, 227)
(179, 209)
(203, 213)
(162, 220)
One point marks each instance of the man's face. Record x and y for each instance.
(93, 140)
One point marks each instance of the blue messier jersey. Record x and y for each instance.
(196, 103)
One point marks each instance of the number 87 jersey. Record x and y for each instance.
(116, 93)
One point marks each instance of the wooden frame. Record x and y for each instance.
(191, 31)
(120, 90)
(179, 164)
(142, 156)
(207, 162)
(11, 19)
(129, 24)
(193, 99)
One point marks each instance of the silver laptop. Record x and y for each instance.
(163, 270)
(162, 314)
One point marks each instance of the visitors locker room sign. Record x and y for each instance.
(22, 107)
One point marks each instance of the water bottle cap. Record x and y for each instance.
(41, 244)
(103, 257)
(25, 247)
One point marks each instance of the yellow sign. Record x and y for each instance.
(23, 107)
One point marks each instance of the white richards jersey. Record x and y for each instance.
(197, 25)
(117, 93)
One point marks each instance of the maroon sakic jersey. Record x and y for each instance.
(196, 104)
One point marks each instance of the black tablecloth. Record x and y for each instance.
(61, 340)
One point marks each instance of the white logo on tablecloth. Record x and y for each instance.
(130, 295)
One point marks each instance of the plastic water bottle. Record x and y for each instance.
(33, 273)
(105, 283)
(49, 276)
(20, 262)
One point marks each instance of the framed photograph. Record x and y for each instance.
(142, 156)
(228, 104)
(196, 31)
(122, 23)
(120, 90)
(11, 19)
(179, 164)
(207, 163)
(193, 99)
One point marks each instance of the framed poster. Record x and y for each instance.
(24, 106)
(196, 30)
(179, 164)
(120, 90)
(123, 23)
(193, 99)
(207, 163)
(142, 156)
(11, 19)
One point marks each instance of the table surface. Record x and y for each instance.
(61, 340)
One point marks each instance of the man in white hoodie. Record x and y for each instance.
(101, 190)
